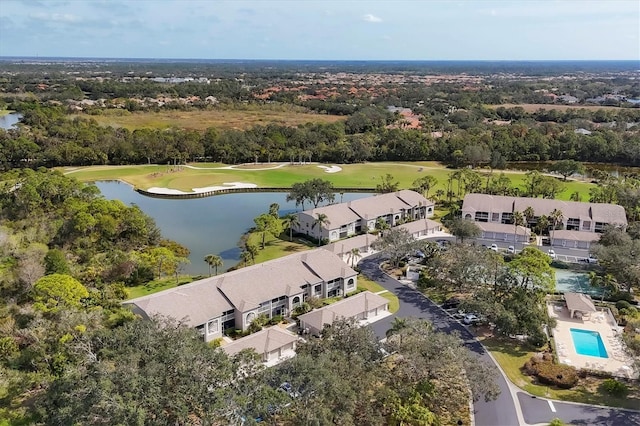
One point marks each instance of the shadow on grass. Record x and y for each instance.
(507, 346)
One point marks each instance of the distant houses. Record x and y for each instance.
(359, 216)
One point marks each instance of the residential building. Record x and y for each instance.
(234, 299)
(362, 306)
(490, 211)
(359, 216)
(273, 344)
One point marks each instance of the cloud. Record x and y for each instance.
(371, 18)
(55, 17)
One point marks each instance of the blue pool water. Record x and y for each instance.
(588, 342)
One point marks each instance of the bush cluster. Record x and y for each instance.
(614, 387)
(548, 373)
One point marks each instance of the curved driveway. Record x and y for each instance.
(513, 407)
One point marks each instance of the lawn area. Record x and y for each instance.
(238, 118)
(156, 286)
(277, 247)
(511, 356)
(374, 287)
(352, 175)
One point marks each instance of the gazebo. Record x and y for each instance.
(579, 302)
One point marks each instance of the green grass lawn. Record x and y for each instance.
(374, 287)
(352, 176)
(156, 286)
(511, 356)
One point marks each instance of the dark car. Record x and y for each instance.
(452, 303)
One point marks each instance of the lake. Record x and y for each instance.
(9, 121)
(211, 225)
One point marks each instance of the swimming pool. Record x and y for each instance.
(588, 342)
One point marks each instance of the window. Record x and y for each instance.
(482, 217)
(586, 225)
(213, 326)
(495, 217)
(350, 283)
(317, 289)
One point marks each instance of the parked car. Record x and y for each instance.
(286, 387)
(552, 254)
(592, 259)
(452, 303)
(470, 319)
(511, 249)
(494, 247)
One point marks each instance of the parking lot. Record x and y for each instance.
(563, 254)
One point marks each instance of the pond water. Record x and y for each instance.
(211, 225)
(9, 121)
(575, 282)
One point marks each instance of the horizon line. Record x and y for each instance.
(4, 57)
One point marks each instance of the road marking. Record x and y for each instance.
(553, 409)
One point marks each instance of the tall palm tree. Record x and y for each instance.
(556, 217)
(518, 220)
(543, 224)
(213, 261)
(291, 221)
(320, 221)
(245, 256)
(607, 282)
(529, 214)
(353, 255)
(397, 325)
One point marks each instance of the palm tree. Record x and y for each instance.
(321, 220)
(353, 255)
(518, 220)
(291, 221)
(245, 256)
(607, 282)
(382, 224)
(529, 214)
(397, 326)
(213, 261)
(556, 218)
(543, 224)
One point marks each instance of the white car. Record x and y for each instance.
(592, 259)
(470, 319)
(552, 254)
(494, 247)
(511, 249)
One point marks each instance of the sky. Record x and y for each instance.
(323, 29)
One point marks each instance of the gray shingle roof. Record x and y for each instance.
(346, 308)
(575, 235)
(579, 302)
(263, 341)
(244, 288)
(370, 207)
(345, 246)
(196, 302)
(420, 225)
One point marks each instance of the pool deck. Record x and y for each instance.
(619, 363)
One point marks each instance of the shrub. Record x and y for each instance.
(216, 343)
(562, 376)
(623, 304)
(277, 319)
(614, 387)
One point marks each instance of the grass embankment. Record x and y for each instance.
(156, 286)
(238, 118)
(511, 356)
(352, 175)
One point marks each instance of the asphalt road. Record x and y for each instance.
(502, 411)
(539, 411)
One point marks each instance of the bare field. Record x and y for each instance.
(535, 107)
(203, 119)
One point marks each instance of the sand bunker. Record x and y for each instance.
(225, 185)
(331, 169)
